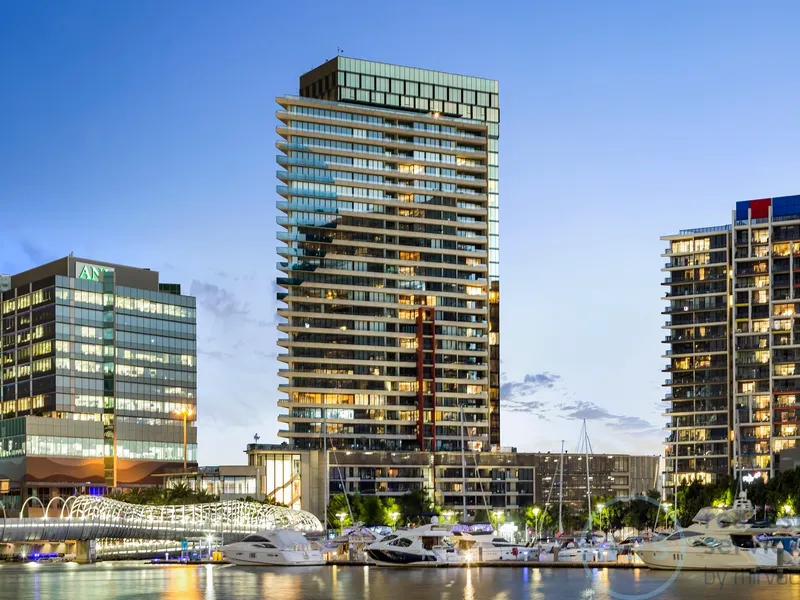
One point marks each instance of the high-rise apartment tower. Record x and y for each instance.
(389, 195)
(734, 343)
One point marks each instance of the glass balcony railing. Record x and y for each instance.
(287, 206)
(301, 162)
(294, 130)
(404, 114)
(293, 191)
(286, 176)
(300, 221)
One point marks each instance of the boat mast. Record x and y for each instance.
(587, 445)
(326, 491)
(561, 488)
(463, 468)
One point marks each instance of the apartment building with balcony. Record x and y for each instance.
(733, 340)
(766, 377)
(388, 194)
(698, 353)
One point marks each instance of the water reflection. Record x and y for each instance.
(123, 581)
(469, 591)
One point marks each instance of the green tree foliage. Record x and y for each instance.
(413, 504)
(375, 510)
(179, 494)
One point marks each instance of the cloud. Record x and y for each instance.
(592, 412)
(215, 354)
(218, 301)
(631, 423)
(529, 385)
(515, 395)
(34, 253)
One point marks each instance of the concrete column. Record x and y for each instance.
(85, 551)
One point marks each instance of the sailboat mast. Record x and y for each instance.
(326, 491)
(463, 469)
(561, 488)
(588, 484)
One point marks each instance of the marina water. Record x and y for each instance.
(129, 581)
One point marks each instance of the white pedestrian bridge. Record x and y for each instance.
(96, 517)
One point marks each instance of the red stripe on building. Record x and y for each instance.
(759, 209)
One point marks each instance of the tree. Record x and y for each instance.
(392, 510)
(373, 511)
(338, 505)
(414, 503)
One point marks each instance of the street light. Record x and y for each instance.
(341, 516)
(536, 511)
(393, 516)
(185, 412)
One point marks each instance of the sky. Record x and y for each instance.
(143, 133)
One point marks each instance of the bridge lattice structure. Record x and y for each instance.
(98, 517)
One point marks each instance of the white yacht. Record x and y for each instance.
(283, 547)
(427, 545)
(717, 539)
(482, 546)
(579, 550)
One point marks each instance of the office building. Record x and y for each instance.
(734, 343)
(389, 195)
(98, 379)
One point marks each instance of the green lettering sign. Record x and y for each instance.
(92, 272)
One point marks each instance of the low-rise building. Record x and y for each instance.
(502, 480)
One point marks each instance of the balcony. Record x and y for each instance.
(287, 281)
(284, 190)
(305, 222)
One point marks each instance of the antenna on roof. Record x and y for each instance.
(256, 437)
(339, 50)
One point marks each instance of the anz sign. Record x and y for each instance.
(91, 272)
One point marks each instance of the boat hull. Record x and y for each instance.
(395, 558)
(694, 559)
(276, 558)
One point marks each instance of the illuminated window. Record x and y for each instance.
(782, 325)
(781, 249)
(784, 370)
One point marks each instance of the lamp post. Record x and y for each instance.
(536, 511)
(185, 412)
(341, 516)
(600, 508)
(393, 516)
(666, 506)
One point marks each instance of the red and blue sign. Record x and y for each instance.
(759, 209)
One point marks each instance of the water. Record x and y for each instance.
(135, 581)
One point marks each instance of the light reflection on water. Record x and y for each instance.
(118, 581)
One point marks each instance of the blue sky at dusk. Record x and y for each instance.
(143, 133)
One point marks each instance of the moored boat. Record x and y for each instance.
(427, 545)
(274, 548)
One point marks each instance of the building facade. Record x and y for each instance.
(98, 369)
(498, 480)
(698, 285)
(734, 344)
(389, 195)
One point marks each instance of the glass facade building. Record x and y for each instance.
(97, 361)
(389, 195)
